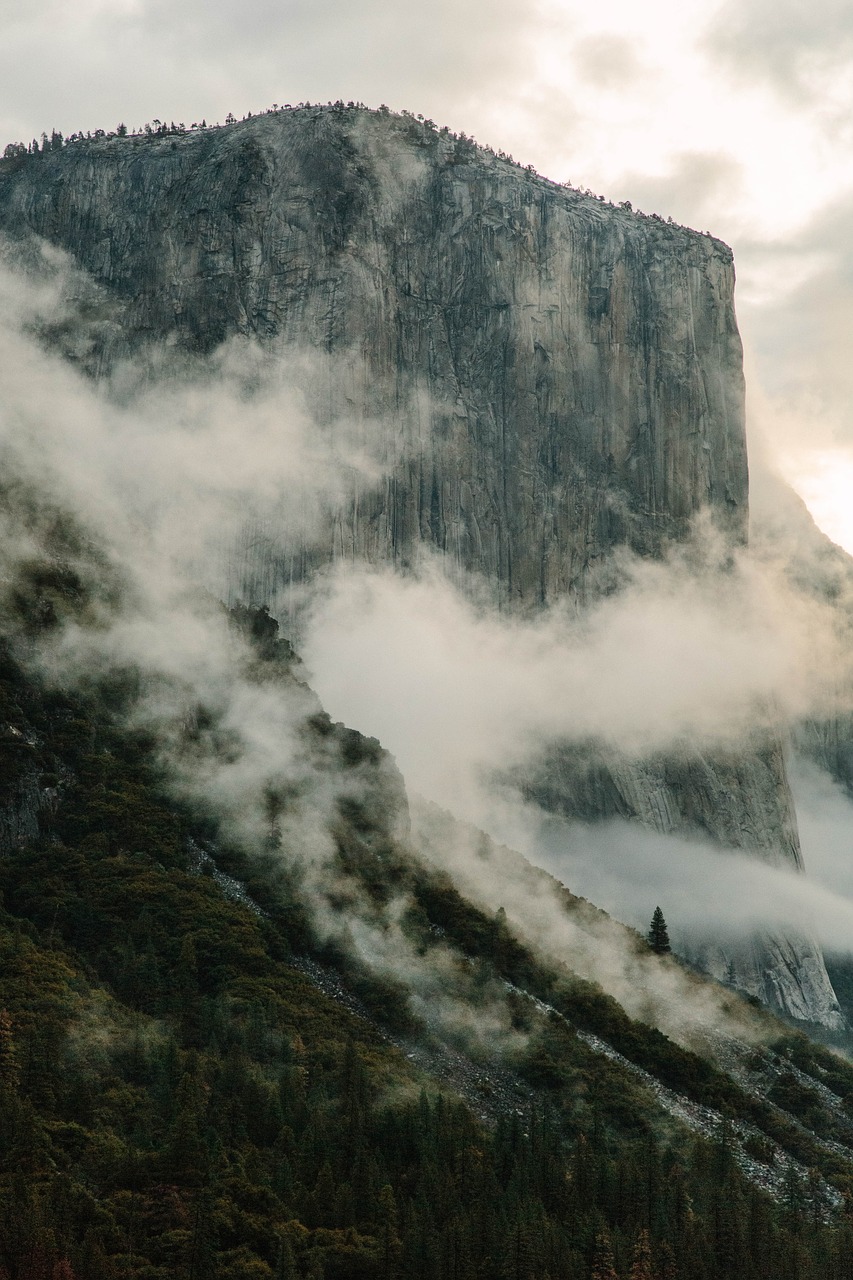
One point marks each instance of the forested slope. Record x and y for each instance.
(179, 1098)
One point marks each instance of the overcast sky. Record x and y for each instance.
(731, 115)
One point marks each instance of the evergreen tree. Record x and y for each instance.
(603, 1266)
(658, 937)
(390, 1242)
(9, 1064)
(641, 1266)
(285, 1267)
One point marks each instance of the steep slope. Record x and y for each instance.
(543, 379)
(197, 1079)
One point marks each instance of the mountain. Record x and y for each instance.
(581, 364)
(545, 380)
(264, 1015)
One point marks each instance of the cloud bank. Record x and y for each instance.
(692, 650)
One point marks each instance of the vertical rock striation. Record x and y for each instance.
(552, 378)
(557, 377)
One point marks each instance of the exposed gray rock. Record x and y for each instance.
(21, 810)
(553, 377)
(740, 799)
(558, 377)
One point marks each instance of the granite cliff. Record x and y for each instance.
(541, 354)
(555, 378)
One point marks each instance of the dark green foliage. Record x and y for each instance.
(793, 1096)
(178, 1100)
(658, 938)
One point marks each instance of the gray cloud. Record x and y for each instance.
(697, 189)
(800, 342)
(191, 60)
(593, 946)
(685, 653)
(609, 61)
(171, 457)
(792, 45)
(706, 892)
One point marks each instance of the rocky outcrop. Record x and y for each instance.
(22, 806)
(739, 799)
(544, 377)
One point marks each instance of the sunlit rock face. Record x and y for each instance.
(542, 378)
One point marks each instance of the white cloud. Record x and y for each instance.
(686, 653)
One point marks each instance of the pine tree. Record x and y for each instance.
(316, 1270)
(603, 1266)
(667, 1266)
(641, 1266)
(10, 1069)
(390, 1243)
(285, 1267)
(658, 937)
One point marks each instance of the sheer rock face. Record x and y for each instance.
(738, 799)
(557, 377)
(544, 377)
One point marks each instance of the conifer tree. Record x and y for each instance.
(658, 937)
(641, 1266)
(667, 1266)
(316, 1270)
(603, 1266)
(390, 1243)
(9, 1064)
(285, 1267)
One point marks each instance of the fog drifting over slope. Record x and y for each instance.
(164, 463)
(697, 650)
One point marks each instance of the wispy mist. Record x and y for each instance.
(699, 649)
(162, 464)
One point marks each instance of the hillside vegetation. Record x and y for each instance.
(181, 1099)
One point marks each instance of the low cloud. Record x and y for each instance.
(706, 893)
(689, 652)
(159, 469)
(168, 464)
(590, 943)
